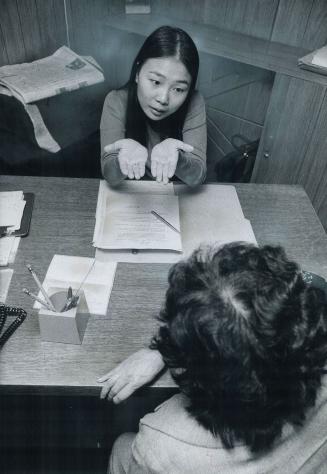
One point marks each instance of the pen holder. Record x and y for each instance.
(68, 326)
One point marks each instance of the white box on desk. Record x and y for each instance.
(67, 327)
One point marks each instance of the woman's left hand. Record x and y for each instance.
(164, 158)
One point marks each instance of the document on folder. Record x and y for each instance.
(211, 214)
(126, 221)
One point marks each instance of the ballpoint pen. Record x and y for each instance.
(72, 299)
(158, 216)
(36, 298)
(44, 293)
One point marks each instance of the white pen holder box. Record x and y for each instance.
(68, 326)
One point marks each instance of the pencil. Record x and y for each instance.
(158, 216)
(44, 293)
(36, 298)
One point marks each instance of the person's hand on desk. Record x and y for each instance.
(164, 158)
(131, 157)
(134, 372)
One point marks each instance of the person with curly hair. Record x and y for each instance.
(245, 339)
(155, 125)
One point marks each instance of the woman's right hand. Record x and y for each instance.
(134, 372)
(131, 157)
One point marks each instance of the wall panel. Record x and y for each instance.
(3, 50)
(179, 9)
(51, 20)
(12, 32)
(84, 22)
(28, 16)
(315, 34)
(252, 17)
(301, 23)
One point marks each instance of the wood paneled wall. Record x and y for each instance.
(295, 22)
(31, 29)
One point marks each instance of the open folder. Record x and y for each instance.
(127, 220)
(211, 214)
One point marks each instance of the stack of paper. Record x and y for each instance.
(5, 279)
(66, 271)
(124, 220)
(12, 206)
(210, 215)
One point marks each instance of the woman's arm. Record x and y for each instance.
(191, 166)
(112, 128)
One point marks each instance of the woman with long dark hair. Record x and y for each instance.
(155, 125)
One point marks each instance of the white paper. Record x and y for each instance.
(13, 250)
(144, 187)
(128, 186)
(65, 271)
(211, 214)
(130, 224)
(124, 220)
(12, 206)
(5, 279)
(8, 249)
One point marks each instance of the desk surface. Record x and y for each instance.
(63, 223)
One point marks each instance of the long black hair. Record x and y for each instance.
(166, 41)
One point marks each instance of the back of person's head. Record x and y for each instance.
(245, 339)
(164, 42)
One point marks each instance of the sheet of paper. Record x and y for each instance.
(128, 186)
(5, 279)
(13, 250)
(141, 256)
(12, 206)
(130, 224)
(211, 214)
(65, 271)
(8, 249)
(144, 187)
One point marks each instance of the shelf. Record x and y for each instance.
(272, 56)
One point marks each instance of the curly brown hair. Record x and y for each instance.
(246, 340)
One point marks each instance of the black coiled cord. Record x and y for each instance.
(6, 311)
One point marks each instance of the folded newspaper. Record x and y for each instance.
(315, 61)
(64, 71)
(61, 72)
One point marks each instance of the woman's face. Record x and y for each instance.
(162, 86)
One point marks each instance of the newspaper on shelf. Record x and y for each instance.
(61, 72)
(316, 61)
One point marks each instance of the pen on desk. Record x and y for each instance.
(44, 293)
(164, 221)
(36, 298)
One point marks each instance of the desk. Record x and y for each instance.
(63, 222)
